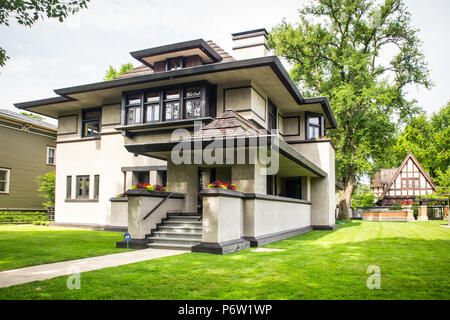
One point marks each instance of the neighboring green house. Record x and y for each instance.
(27, 149)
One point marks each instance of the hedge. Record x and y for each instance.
(21, 217)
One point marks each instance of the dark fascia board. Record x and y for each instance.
(250, 32)
(326, 108)
(34, 103)
(272, 61)
(186, 45)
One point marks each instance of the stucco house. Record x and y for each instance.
(27, 149)
(192, 114)
(397, 185)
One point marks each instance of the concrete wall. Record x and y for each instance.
(264, 217)
(322, 189)
(222, 219)
(103, 157)
(119, 213)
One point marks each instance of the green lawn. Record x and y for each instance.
(414, 259)
(28, 245)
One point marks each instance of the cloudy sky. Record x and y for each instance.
(52, 55)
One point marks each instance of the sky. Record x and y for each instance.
(53, 55)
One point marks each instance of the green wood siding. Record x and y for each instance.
(26, 155)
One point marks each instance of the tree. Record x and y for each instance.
(339, 49)
(47, 186)
(27, 12)
(429, 141)
(112, 73)
(29, 114)
(364, 198)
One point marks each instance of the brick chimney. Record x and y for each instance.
(250, 44)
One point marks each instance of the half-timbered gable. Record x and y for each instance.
(396, 185)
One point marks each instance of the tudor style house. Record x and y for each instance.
(27, 149)
(116, 133)
(397, 185)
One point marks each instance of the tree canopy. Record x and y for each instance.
(28, 12)
(362, 56)
(112, 73)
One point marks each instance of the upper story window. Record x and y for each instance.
(91, 122)
(167, 104)
(315, 126)
(4, 180)
(272, 117)
(175, 63)
(51, 155)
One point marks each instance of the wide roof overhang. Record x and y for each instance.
(267, 72)
(291, 162)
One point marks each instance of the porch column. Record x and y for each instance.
(183, 178)
(249, 178)
(423, 213)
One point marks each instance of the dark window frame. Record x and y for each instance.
(68, 187)
(272, 122)
(321, 125)
(96, 186)
(85, 122)
(297, 180)
(205, 102)
(52, 163)
(181, 61)
(85, 187)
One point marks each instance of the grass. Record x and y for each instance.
(414, 259)
(29, 245)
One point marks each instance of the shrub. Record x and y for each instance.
(47, 187)
(396, 207)
(21, 217)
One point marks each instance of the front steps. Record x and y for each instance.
(180, 231)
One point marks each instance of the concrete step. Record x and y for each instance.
(175, 240)
(181, 223)
(180, 229)
(170, 246)
(187, 235)
(184, 218)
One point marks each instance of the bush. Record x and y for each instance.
(41, 223)
(21, 217)
(396, 207)
(47, 187)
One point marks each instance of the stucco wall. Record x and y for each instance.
(104, 157)
(264, 217)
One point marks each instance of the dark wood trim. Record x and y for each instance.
(154, 194)
(119, 199)
(325, 227)
(321, 126)
(81, 200)
(217, 192)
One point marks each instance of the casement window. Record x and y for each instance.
(193, 102)
(315, 126)
(273, 125)
(166, 104)
(152, 107)
(410, 183)
(91, 121)
(144, 177)
(69, 187)
(175, 63)
(133, 109)
(51, 155)
(5, 175)
(271, 185)
(96, 186)
(172, 104)
(82, 187)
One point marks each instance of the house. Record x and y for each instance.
(192, 114)
(27, 149)
(397, 185)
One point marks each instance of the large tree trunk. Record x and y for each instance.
(345, 199)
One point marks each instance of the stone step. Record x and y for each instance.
(188, 235)
(181, 217)
(175, 240)
(182, 223)
(180, 229)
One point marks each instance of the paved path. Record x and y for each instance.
(47, 271)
